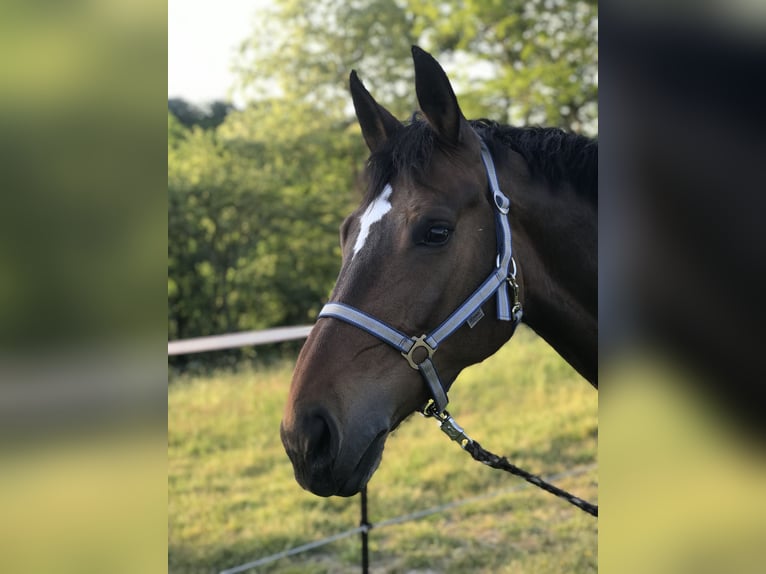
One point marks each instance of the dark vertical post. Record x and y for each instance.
(365, 529)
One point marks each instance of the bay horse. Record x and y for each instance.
(429, 251)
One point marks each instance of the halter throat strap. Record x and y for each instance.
(501, 281)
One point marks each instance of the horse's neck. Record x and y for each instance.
(556, 249)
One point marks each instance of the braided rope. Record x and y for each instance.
(502, 463)
(454, 431)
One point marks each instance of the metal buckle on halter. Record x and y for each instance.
(447, 424)
(419, 343)
(515, 286)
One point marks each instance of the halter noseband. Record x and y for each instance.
(499, 281)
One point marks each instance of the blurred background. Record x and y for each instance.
(95, 190)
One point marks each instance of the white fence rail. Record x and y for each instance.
(234, 340)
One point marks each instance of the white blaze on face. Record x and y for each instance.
(372, 214)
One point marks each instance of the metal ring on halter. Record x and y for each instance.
(419, 343)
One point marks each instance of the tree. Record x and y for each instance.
(516, 61)
(303, 50)
(254, 210)
(534, 60)
(208, 116)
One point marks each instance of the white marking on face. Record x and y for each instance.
(374, 213)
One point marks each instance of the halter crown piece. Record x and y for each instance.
(502, 281)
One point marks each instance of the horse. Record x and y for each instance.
(433, 245)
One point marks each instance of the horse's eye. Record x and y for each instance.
(437, 235)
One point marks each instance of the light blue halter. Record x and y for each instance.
(503, 276)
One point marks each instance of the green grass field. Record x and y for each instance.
(232, 497)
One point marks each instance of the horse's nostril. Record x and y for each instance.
(320, 433)
(312, 442)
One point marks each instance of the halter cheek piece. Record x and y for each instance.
(499, 281)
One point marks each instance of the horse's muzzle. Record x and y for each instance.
(325, 462)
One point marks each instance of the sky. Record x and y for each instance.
(203, 36)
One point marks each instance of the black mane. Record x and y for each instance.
(552, 154)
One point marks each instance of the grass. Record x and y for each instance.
(232, 497)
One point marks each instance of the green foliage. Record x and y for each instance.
(206, 117)
(232, 497)
(519, 61)
(176, 130)
(253, 219)
(303, 50)
(516, 61)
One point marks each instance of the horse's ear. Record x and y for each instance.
(436, 98)
(376, 121)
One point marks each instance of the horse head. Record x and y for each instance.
(425, 237)
(417, 246)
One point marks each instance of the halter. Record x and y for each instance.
(499, 281)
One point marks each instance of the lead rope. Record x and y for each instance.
(453, 430)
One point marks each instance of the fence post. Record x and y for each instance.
(365, 530)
